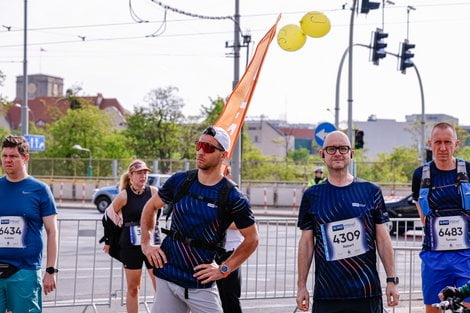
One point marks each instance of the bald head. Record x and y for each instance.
(336, 138)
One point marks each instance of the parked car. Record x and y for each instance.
(103, 197)
(401, 208)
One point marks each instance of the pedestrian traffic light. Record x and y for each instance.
(366, 6)
(359, 139)
(406, 55)
(378, 46)
(428, 155)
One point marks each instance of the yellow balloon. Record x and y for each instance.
(291, 37)
(315, 24)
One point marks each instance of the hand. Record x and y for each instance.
(106, 249)
(48, 283)
(208, 272)
(393, 297)
(449, 292)
(155, 255)
(303, 299)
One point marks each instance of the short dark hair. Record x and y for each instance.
(19, 142)
(444, 125)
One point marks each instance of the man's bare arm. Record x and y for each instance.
(305, 256)
(147, 223)
(385, 249)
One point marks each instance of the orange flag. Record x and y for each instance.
(232, 117)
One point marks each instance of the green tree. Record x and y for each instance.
(301, 154)
(464, 153)
(153, 131)
(88, 127)
(398, 166)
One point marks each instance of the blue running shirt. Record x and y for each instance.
(31, 200)
(444, 197)
(359, 203)
(197, 219)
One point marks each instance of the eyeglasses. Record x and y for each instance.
(332, 149)
(207, 147)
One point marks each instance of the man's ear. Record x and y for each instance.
(322, 154)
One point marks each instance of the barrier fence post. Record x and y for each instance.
(61, 192)
(294, 200)
(83, 193)
(265, 200)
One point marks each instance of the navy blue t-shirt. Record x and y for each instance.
(444, 196)
(197, 219)
(23, 204)
(360, 203)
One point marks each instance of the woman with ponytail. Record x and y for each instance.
(134, 192)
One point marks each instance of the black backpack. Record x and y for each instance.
(221, 204)
(111, 237)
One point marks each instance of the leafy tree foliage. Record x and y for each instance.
(88, 127)
(153, 131)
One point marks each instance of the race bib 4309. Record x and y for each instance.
(344, 239)
(12, 230)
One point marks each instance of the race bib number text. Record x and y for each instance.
(12, 230)
(449, 233)
(344, 239)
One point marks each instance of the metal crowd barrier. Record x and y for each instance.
(89, 278)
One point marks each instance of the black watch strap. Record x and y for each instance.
(394, 280)
(51, 270)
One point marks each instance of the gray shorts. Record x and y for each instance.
(170, 298)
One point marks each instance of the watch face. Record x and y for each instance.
(224, 269)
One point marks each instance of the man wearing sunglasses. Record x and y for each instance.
(185, 264)
(343, 223)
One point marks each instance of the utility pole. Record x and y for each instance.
(24, 106)
(237, 146)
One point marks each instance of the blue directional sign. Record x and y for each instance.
(36, 142)
(322, 130)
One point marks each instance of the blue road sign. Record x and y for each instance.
(322, 130)
(36, 142)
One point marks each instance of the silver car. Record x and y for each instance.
(103, 197)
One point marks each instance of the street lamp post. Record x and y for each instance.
(90, 167)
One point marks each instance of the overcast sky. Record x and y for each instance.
(120, 61)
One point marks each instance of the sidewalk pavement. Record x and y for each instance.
(281, 305)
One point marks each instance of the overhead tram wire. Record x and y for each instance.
(134, 15)
(13, 29)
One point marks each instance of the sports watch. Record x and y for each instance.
(224, 269)
(51, 270)
(394, 280)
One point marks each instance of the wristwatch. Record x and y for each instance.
(51, 270)
(224, 269)
(394, 280)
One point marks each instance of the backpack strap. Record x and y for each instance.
(183, 190)
(222, 211)
(462, 175)
(426, 175)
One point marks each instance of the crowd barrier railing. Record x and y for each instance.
(89, 278)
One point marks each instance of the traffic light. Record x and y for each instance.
(366, 6)
(428, 155)
(359, 139)
(406, 55)
(378, 46)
